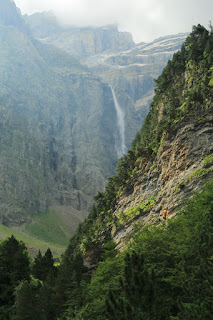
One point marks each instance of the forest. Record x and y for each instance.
(166, 273)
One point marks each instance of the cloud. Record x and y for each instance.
(146, 20)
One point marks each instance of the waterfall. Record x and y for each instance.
(120, 141)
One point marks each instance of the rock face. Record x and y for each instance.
(11, 15)
(131, 73)
(174, 176)
(113, 56)
(79, 42)
(57, 127)
(58, 123)
(83, 42)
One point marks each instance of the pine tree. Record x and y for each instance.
(26, 303)
(14, 267)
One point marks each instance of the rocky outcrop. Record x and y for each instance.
(10, 15)
(180, 169)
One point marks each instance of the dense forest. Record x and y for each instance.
(166, 271)
(165, 274)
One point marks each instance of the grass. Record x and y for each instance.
(49, 227)
(33, 245)
(208, 160)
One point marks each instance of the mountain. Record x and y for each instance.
(79, 42)
(145, 251)
(10, 15)
(60, 129)
(113, 56)
(151, 230)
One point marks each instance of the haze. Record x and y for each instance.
(146, 20)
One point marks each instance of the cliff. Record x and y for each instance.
(147, 243)
(171, 157)
(113, 57)
(58, 128)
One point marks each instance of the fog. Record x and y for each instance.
(146, 20)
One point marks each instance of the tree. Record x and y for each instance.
(26, 303)
(43, 265)
(14, 267)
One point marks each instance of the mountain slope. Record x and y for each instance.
(130, 259)
(131, 253)
(113, 56)
(58, 128)
(171, 156)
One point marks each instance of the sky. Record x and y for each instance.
(146, 20)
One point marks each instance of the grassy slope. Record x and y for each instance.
(33, 244)
(49, 227)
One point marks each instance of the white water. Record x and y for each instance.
(120, 143)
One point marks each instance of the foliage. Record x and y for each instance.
(208, 161)
(166, 273)
(32, 244)
(131, 213)
(49, 227)
(43, 265)
(14, 267)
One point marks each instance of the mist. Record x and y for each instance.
(145, 20)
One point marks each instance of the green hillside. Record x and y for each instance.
(33, 244)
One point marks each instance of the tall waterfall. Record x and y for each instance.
(120, 140)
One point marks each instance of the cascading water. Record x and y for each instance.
(120, 141)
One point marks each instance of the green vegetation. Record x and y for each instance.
(131, 213)
(208, 161)
(198, 173)
(173, 259)
(49, 227)
(33, 245)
